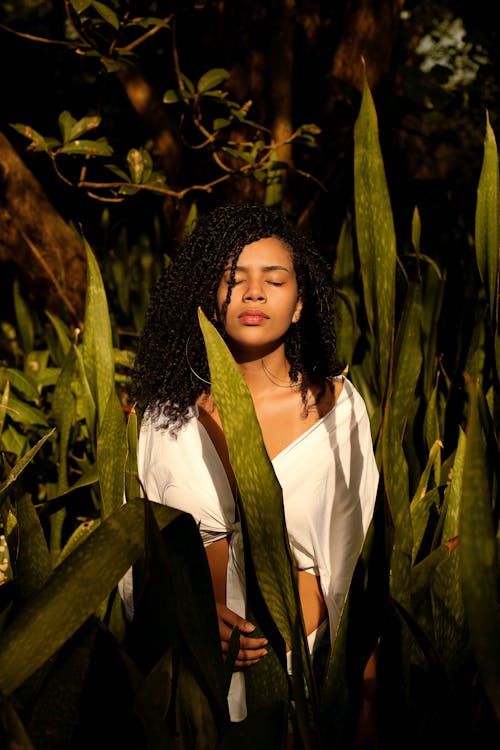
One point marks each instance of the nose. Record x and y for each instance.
(254, 292)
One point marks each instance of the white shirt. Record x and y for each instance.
(329, 480)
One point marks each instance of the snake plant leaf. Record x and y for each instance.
(424, 511)
(24, 318)
(132, 484)
(479, 554)
(407, 360)
(85, 402)
(262, 497)
(260, 492)
(347, 296)
(63, 333)
(77, 537)
(33, 565)
(450, 631)
(430, 652)
(375, 233)
(453, 491)
(396, 483)
(424, 570)
(111, 455)
(97, 348)
(60, 696)
(487, 234)
(433, 286)
(63, 408)
(174, 610)
(66, 600)
(25, 414)
(20, 382)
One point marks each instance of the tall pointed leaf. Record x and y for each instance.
(66, 601)
(63, 407)
(260, 492)
(479, 555)
(33, 565)
(97, 339)
(111, 455)
(487, 220)
(375, 232)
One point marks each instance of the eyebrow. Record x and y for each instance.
(264, 268)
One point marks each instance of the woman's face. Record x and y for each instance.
(264, 300)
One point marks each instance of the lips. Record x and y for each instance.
(252, 317)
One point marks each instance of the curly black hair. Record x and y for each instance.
(171, 344)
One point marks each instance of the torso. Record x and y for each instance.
(282, 421)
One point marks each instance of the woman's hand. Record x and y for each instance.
(251, 649)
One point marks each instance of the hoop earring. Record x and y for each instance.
(190, 366)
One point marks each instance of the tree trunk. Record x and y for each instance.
(47, 251)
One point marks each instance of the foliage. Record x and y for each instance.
(426, 588)
(210, 121)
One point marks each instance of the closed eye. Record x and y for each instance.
(275, 283)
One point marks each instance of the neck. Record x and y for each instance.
(264, 371)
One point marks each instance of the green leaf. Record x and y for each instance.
(97, 349)
(63, 407)
(187, 83)
(66, 122)
(132, 484)
(83, 126)
(21, 382)
(111, 455)
(38, 142)
(375, 232)
(135, 161)
(81, 5)
(172, 96)
(33, 564)
(87, 148)
(85, 403)
(211, 79)
(79, 535)
(107, 14)
(453, 491)
(261, 497)
(67, 600)
(421, 510)
(479, 554)
(221, 122)
(13, 441)
(63, 333)
(408, 360)
(396, 482)
(487, 220)
(24, 414)
(24, 318)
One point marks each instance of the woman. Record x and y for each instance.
(266, 288)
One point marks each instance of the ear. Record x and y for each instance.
(297, 311)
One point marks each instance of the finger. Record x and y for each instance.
(250, 644)
(231, 618)
(250, 655)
